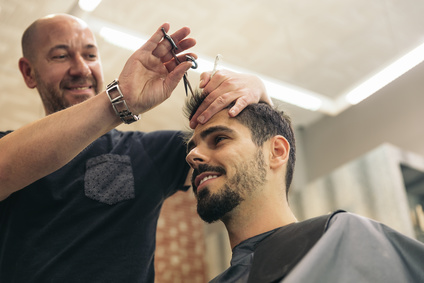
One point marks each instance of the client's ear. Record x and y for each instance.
(279, 151)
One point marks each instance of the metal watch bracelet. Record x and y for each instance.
(118, 103)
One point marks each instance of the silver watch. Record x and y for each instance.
(118, 103)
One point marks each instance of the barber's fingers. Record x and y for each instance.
(153, 42)
(183, 45)
(160, 47)
(170, 65)
(217, 100)
(204, 79)
(163, 47)
(174, 77)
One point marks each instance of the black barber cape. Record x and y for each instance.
(340, 247)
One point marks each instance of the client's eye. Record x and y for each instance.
(219, 139)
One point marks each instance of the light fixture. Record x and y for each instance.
(276, 89)
(88, 5)
(387, 75)
(292, 95)
(121, 39)
(280, 90)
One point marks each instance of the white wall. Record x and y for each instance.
(395, 115)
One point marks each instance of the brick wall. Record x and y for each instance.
(180, 242)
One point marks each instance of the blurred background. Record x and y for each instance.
(349, 72)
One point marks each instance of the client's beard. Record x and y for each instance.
(248, 178)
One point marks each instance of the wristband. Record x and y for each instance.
(118, 103)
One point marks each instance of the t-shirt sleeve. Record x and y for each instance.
(167, 152)
(2, 134)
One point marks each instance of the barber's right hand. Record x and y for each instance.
(151, 73)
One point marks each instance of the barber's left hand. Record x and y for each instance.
(225, 87)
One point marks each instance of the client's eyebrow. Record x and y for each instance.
(205, 133)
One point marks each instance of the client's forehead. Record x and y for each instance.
(219, 119)
(220, 122)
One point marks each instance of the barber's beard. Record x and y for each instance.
(248, 178)
(53, 98)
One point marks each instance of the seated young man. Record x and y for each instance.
(243, 167)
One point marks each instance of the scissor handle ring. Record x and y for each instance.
(193, 61)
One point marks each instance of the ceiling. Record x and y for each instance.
(325, 47)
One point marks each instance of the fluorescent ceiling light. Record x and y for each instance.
(278, 90)
(292, 95)
(88, 5)
(275, 89)
(286, 92)
(289, 93)
(387, 75)
(121, 39)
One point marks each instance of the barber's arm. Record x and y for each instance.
(225, 87)
(40, 148)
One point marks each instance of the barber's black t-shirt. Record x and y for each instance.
(94, 220)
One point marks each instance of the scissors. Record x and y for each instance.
(174, 47)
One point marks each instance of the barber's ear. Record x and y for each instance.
(279, 151)
(27, 72)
